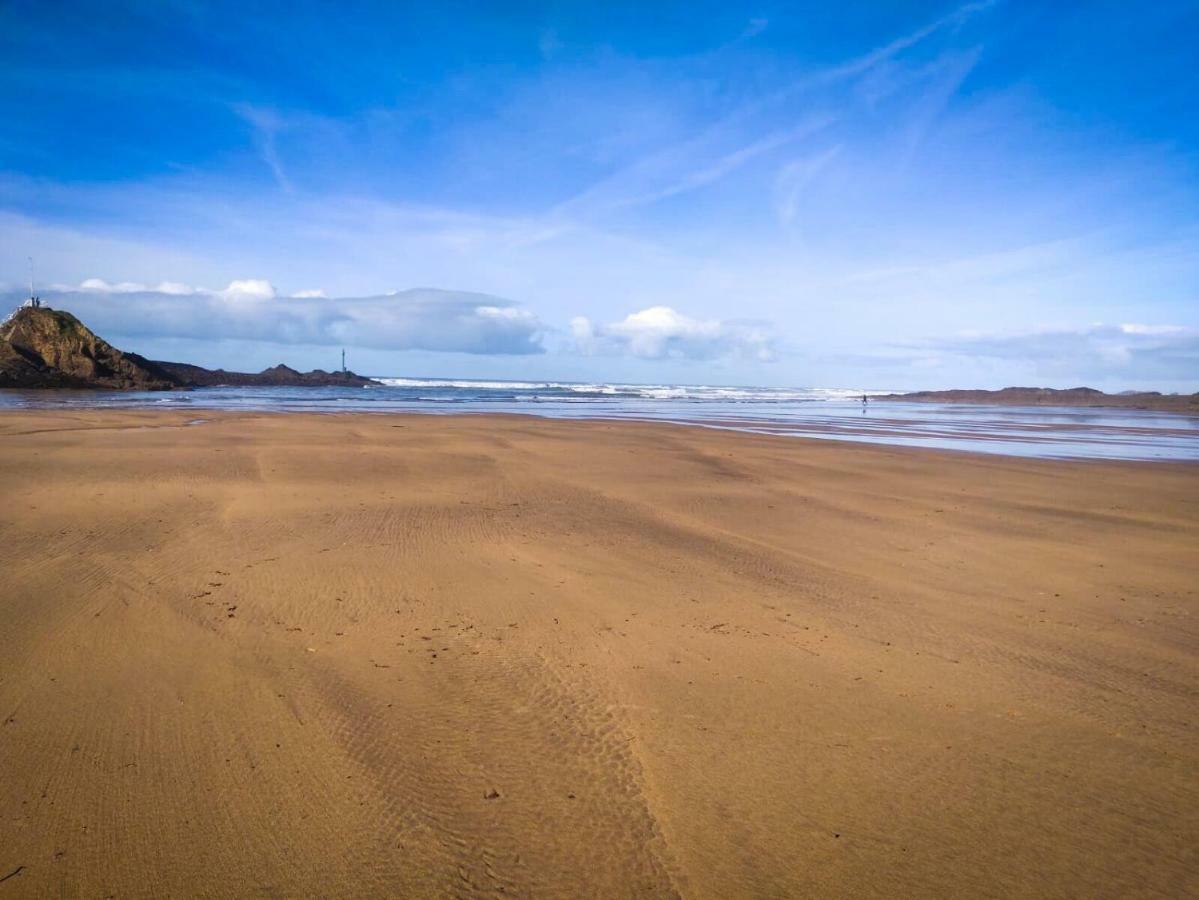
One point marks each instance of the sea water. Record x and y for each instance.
(822, 413)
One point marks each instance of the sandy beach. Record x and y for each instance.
(378, 656)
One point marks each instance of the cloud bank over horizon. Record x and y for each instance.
(432, 321)
(429, 319)
(1098, 350)
(250, 310)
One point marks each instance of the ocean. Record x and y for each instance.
(821, 413)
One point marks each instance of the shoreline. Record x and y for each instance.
(1034, 442)
(291, 653)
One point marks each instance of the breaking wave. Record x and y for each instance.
(568, 390)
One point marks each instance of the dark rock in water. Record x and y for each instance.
(276, 376)
(49, 348)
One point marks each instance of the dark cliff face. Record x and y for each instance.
(41, 347)
(50, 348)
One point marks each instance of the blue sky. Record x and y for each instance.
(888, 195)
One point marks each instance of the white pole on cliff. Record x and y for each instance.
(33, 300)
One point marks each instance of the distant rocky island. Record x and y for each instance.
(1079, 396)
(50, 348)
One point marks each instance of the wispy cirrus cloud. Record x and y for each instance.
(266, 125)
(682, 168)
(751, 130)
(794, 177)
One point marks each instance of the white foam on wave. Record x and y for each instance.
(639, 391)
(455, 383)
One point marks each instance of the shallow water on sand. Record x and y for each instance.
(832, 414)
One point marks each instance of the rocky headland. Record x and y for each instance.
(50, 348)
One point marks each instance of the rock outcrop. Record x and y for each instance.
(276, 376)
(49, 348)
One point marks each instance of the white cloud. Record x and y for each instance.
(175, 287)
(100, 286)
(1132, 328)
(1091, 351)
(250, 289)
(250, 310)
(506, 313)
(311, 292)
(661, 332)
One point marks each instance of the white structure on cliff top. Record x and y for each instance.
(33, 301)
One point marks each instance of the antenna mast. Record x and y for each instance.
(33, 300)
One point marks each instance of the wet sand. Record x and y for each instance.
(370, 656)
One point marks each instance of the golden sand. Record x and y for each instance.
(378, 656)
